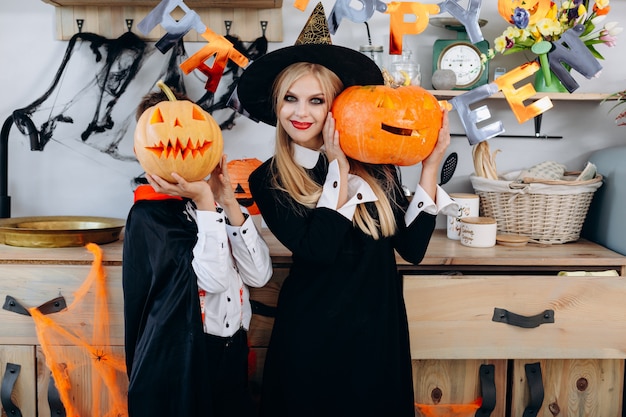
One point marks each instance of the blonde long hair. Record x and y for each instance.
(293, 179)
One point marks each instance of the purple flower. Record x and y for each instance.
(521, 17)
(509, 43)
(572, 13)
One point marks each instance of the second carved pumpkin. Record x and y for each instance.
(380, 124)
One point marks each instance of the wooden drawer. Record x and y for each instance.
(451, 387)
(34, 285)
(571, 387)
(450, 317)
(23, 392)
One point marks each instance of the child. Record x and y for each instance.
(190, 253)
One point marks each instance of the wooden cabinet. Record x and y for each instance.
(450, 297)
(31, 277)
(570, 328)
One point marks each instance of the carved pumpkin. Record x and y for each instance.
(239, 170)
(380, 124)
(178, 136)
(538, 9)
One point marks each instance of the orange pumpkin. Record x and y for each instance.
(178, 136)
(538, 9)
(239, 170)
(380, 124)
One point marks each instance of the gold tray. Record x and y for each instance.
(59, 231)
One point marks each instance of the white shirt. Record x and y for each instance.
(228, 259)
(359, 191)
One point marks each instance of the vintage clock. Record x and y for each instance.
(460, 55)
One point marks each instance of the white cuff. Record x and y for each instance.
(422, 202)
(359, 191)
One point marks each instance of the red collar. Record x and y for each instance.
(146, 192)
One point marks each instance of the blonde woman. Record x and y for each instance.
(340, 342)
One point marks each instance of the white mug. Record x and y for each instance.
(478, 232)
(468, 207)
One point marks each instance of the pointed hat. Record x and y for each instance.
(313, 45)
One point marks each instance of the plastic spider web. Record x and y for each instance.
(90, 364)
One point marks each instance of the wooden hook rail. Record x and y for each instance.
(247, 24)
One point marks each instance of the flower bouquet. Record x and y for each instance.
(534, 28)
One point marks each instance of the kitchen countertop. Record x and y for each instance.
(443, 255)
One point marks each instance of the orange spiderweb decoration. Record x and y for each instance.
(79, 355)
(448, 410)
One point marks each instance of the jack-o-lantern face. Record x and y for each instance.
(178, 136)
(384, 125)
(239, 170)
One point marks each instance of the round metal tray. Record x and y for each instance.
(59, 231)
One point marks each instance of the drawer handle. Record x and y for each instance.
(488, 390)
(54, 400)
(502, 315)
(535, 386)
(8, 382)
(53, 306)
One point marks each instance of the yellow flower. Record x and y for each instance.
(601, 4)
(499, 44)
(548, 27)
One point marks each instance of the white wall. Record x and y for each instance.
(69, 178)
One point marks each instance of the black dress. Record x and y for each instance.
(340, 344)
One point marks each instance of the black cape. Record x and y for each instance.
(340, 342)
(165, 354)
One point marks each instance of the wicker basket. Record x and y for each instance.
(547, 211)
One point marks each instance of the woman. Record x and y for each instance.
(340, 342)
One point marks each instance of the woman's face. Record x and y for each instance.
(303, 110)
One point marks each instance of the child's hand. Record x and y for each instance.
(221, 186)
(199, 191)
(224, 193)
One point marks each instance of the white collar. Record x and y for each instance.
(305, 157)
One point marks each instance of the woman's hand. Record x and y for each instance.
(331, 144)
(334, 152)
(430, 165)
(443, 141)
(199, 191)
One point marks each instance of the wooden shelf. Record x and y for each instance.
(110, 20)
(448, 94)
(247, 4)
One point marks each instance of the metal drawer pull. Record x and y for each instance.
(535, 386)
(54, 400)
(502, 315)
(488, 390)
(8, 382)
(53, 306)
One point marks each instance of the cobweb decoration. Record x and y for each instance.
(100, 79)
(93, 365)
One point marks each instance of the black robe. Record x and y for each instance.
(340, 343)
(164, 338)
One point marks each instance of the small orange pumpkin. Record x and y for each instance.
(380, 124)
(178, 136)
(239, 170)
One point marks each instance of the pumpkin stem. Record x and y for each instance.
(168, 91)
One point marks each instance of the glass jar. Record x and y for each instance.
(375, 52)
(405, 71)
